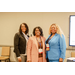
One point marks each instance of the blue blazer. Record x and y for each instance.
(57, 47)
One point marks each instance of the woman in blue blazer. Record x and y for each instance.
(55, 45)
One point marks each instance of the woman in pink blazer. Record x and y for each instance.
(36, 47)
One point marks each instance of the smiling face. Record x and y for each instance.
(53, 29)
(23, 28)
(37, 32)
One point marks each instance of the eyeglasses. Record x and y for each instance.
(53, 28)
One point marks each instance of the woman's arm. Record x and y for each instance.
(29, 46)
(45, 49)
(16, 43)
(62, 48)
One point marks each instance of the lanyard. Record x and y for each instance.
(25, 36)
(39, 42)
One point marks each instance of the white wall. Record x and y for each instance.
(10, 22)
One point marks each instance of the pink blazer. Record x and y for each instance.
(32, 49)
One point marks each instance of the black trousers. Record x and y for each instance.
(47, 59)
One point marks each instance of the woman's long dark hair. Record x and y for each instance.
(27, 29)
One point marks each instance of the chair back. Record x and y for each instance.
(72, 54)
(5, 51)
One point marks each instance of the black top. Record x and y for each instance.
(19, 44)
(48, 39)
(40, 46)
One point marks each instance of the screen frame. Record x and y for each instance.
(69, 29)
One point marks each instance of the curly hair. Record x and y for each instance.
(40, 29)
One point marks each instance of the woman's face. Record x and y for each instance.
(23, 28)
(53, 29)
(37, 32)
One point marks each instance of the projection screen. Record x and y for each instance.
(72, 30)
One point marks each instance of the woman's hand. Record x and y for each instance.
(29, 61)
(60, 59)
(19, 59)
